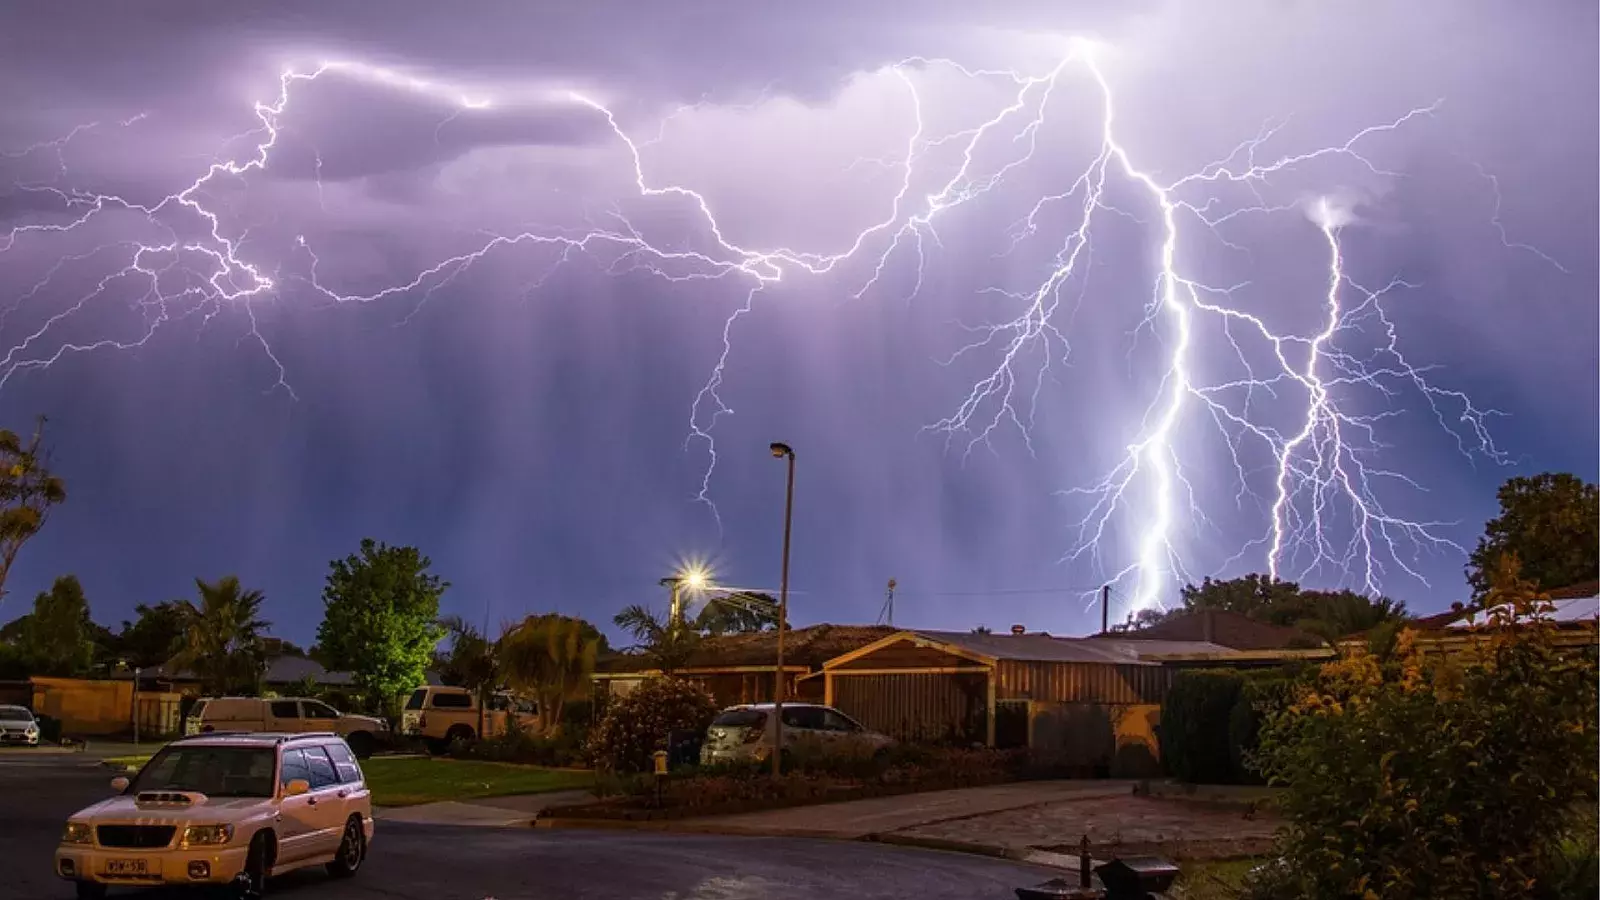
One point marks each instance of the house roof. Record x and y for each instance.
(1041, 647)
(1233, 630)
(810, 647)
(279, 670)
(1573, 604)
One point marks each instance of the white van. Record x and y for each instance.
(287, 715)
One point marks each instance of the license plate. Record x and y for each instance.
(131, 868)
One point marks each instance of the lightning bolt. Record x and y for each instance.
(1323, 467)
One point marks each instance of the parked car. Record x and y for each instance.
(289, 715)
(746, 733)
(17, 726)
(438, 715)
(224, 809)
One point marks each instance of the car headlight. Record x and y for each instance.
(77, 833)
(207, 835)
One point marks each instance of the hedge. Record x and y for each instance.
(1210, 722)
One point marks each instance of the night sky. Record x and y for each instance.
(335, 355)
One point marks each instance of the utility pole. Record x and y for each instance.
(782, 451)
(1105, 608)
(887, 614)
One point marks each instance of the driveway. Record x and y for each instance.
(434, 862)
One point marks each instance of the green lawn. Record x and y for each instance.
(409, 780)
(1213, 880)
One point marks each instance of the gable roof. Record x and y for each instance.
(279, 670)
(987, 649)
(1235, 631)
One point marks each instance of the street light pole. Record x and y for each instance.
(782, 451)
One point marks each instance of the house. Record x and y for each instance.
(1095, 702)
(738, 668)
(1574, 612)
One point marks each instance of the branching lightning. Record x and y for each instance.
(1323, 465)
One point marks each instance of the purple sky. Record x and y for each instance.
(540, 416)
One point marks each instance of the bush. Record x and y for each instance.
(1262, 693)
(1452, 777)
(639, 723)
(1194, 734)
(563, 748)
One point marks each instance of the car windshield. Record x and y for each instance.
(416, 699)
(15, 714)
(213, 771)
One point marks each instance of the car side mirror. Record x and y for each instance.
(119, 783)
(296, 787)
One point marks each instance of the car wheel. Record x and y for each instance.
(251, 883)
(91, 890)
(457, 733)
(361, 744)
(352, 850)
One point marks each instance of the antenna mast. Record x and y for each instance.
(886, 615)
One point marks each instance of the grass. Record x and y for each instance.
(1214, 880)
(409, 780)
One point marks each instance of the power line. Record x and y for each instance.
(1051, 590)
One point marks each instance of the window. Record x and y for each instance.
(344, 762)
(294, 768)
(741, 718)
(323, 774)
(809, 717)
(285, 709)
(417, 696)
(452, 701)
(835, 721)
(315, 710)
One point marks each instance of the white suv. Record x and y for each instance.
(227, 809)
(286, 715)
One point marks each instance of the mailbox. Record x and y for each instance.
(661, 761)
(1136, 877)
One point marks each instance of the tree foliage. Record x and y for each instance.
(1450, 776)
(550, 656)
(28, 491)
(639, 722)
(1327, 614)
(380, 621)
(472, 662)
(155, 634)
(1551, 522)
(58, 637)
(222, 634)
(667, 644)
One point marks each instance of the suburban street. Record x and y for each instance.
(38, 792)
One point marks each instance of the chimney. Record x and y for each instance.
(1019, 629)
(1209, 623)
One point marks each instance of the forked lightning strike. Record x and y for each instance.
(1323, 467)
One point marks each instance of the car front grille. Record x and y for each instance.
(135, 836)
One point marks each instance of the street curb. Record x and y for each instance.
(687, 826)
(994, 851)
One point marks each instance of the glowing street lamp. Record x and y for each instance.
(694, 577)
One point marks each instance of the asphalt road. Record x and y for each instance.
(421, 862)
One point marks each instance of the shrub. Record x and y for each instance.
(1261, 694)
(564, 747)
(639, 723)
(1195, 725)
(1453, 777)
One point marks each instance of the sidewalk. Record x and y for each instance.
(489, 812)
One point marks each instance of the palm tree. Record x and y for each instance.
(473, 662)
(551, 657)
(667, 644)
(222, 636)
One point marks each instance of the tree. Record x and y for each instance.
(1552, 523)
(58, 637)
(666, 643)
(153, 636)
(28, 491)
(1327, 614)
(472, 662)
(739, 612)
(551, 657)
(380, 621)
(641, 722)
(982, 629)
(1439, 776)
(222, 642)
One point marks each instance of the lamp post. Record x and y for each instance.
(782, 451)
(695, 578)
